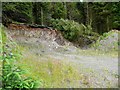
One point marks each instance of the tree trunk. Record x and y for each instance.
(91, 14)
(33, 16)
(107, 22)
(65, 7)
(41, 16)
(87, 14)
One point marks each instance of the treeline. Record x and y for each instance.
(101, 16)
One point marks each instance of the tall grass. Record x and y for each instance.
(51, 72)
(12, 75)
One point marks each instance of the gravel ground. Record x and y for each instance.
(109, 42)
(101, 71)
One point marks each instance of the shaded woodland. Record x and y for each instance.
(100, 16)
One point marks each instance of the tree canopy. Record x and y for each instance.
(101, 16)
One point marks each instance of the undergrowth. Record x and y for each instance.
(107, 42)
(73, 31)
(12, 76)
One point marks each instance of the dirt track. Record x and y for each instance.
(101, 71)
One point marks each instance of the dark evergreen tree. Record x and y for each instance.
(100, 16)
(18, 11)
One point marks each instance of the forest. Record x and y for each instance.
(94, 17)
(60, 44)
(101, 17)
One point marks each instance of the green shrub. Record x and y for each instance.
(12, 76)
(108, 41)
(71, 30)
(74, 31)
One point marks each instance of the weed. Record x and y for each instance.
(54, 73)
(11, 74)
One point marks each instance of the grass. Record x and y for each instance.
(98, 53)
(54, 73)
(1, 65)
(95, 52)
(51, 72)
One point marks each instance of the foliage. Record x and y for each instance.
(108, 41)
(41, 12)
(18, 11)
(74, 31)
(73, 12)
(101, 16)
(12, 76)
(116, 13)
(97, 17)
(58, 10)
(71, 30)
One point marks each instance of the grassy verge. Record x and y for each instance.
(51, 72)
(98, 53)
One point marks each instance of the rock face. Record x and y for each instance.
(44, 34)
